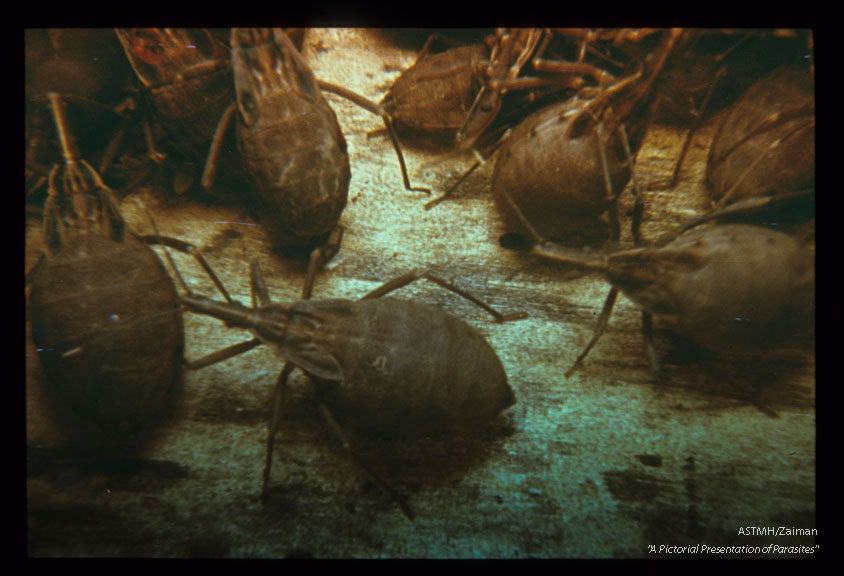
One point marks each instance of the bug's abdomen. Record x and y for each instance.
(746, 163)
(190, 108)
(436, 93)
(413, 368)
(299, 170)
(755, 289)
(290, 142)
(109, 332)
(556, 181)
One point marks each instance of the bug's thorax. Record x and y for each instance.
(268, 322)
(267, 67)
(162, 56)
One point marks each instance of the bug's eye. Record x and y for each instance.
(248, 107)
(146, 45)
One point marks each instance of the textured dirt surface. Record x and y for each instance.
(607, 463)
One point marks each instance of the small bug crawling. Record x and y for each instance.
(378, 363)
(105, 316)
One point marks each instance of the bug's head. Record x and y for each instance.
(266, 63)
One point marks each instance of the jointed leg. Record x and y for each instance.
(611, 196)
(319, 256)
(277, 401)
(332, 423)
(648, 335)
(388, 122)
(479, 162)
(419, 274)
(638, 200)
(187, 248)
(675, 176)
(209, 174)
(599, 329)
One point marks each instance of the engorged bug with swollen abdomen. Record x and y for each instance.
(436, 92)
(381, 364)
(105, 315)
(723, 286)
(186, 75)
(566, 164)
(291, 146)
(765, 145)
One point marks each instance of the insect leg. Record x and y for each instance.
(478, 162)
(332, 423)
(277, 401)
(648, 335)
(638, 202)
(675, 176)
(209, 174)
(388, 122)
(188, 248)
(221, 355)
(418, 274)
(615, 223)
(260, 294)
(599, 329)
(319, 256)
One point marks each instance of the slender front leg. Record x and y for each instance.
(260, 294)
(186, 248)
(209, 174)
(480, 159)
(332, 423)
(638, 197)
(388, 122)
(277, 401)
(615, 223)
(599, 329)
(419, 274)
(319, 256)
(221, 355)
(675, 175)
(648, 335)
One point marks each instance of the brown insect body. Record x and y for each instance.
(104, 313)
(290, 142)
(766, 144)
(756, 287)
(437, 91)
(724, 286)
(557, 180)
(187, 76)
(83, 62)
(392, 366)
(383, 364)
(106, 322)
(551, 165)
